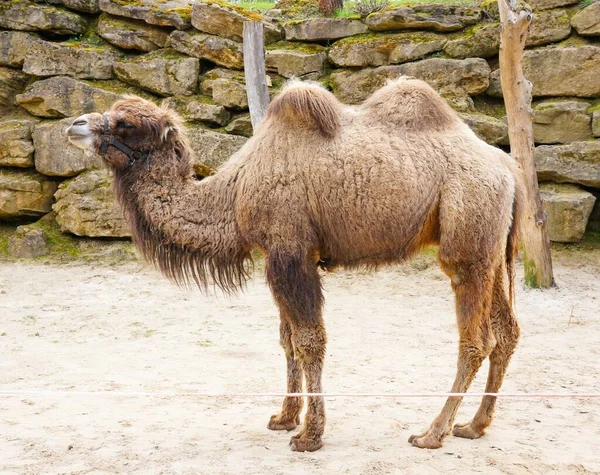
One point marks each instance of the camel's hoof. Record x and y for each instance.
(467, 431)
(426, 441)
(278, 422)
(304, 444)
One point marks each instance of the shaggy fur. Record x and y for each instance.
(321, 184)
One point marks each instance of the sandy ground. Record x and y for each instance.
(123, 328)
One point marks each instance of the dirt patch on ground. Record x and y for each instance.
(93, 327)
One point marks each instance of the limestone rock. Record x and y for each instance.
(587, 21)
(226, 88)
(479, 41)
(290, 63)
(28, 16)
(199, 108)
(16, 147)
(384, 49)
(320, 29)
(548, 26)
(13, 47)
(578, 162)
(491, 130)
(28, 241)
(212, 48)
(548, 67)
(596, 123)
(426, 17)
(212, 149)
(549, 4)
(25, 193)
(55, 155)
(561, 122)
(86, 6)
(568, 209)
(131, 34)
(12, 82)
(240, 125)
(69, 59)
(447, 76)
(163, 72)
(227, 20)
(86, 206)
(177, 13)
(65, 97)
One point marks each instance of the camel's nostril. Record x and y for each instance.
(80, 122)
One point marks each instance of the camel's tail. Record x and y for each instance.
(307, 105)
(514, 234)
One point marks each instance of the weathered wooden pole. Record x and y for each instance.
(516, 17)
(255, 72)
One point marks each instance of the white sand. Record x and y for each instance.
(124, 328)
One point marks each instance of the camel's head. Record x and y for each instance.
(130, 130)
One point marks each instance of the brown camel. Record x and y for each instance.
(325, 185)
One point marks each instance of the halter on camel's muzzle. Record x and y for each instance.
(109, 139)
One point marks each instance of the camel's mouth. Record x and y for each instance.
(79, 133)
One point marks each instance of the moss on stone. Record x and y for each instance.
(249, 14)
(58, 242)
(309, 48)
(185, 13)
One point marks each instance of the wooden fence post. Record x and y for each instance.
(255, 72)
(516, 89)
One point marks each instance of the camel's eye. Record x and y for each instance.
(121, 124)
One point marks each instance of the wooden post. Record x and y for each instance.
(516, 16)
(255, 72)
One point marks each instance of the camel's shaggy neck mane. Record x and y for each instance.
(185, 227)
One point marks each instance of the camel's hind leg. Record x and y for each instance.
(473, 290)
(506, 330)
(289, 417)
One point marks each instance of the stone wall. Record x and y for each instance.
(63, 58)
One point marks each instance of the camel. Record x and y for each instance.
(320, 186)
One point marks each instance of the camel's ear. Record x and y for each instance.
(171, 124)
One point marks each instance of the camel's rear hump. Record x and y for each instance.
(307, 105)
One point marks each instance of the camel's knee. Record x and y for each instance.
(310, 343)
(285, 337)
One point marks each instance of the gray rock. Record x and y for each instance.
(177, 13)
(493, 131)
(568, 208)
(226, 88)
(13, 47)
(479, 41)
(28, 16)
(549, 4)
(131, 34)
(290, 63)
(86, 206)
(384, 49)
(12, 83)
(70, 59)
(212, 48)
(55, 155)
(548, 67)
(561, 122)
(578, 162)
(448, 76)
(548, 26)
(163, 72)
(596, 123)
(240, 125)
(320, 29)
(227, 20)
(65, 97)
(16, 147)
(212, 149)
(25, 193)
(28, 241)
(199, 108)
(86, 6)
(426, 17)
(587, 21)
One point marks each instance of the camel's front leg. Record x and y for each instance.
(289, 417)
(295, 284)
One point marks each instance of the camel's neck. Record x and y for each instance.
(187, 227)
